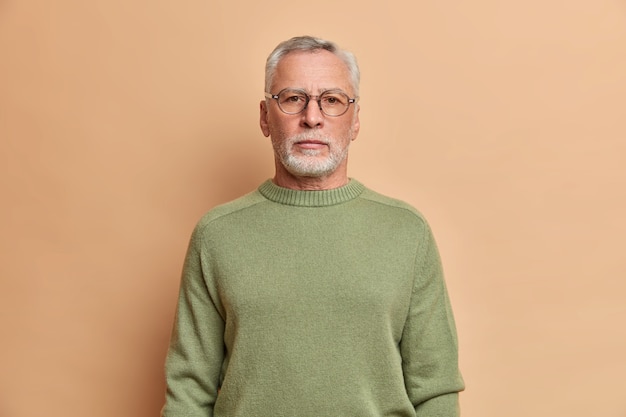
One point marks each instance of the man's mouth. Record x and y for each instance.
(311, 143)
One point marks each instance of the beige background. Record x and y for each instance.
(121, 122)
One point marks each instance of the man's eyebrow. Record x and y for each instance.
(321, 90)
(332, 90)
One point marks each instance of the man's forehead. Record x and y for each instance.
(318, 70)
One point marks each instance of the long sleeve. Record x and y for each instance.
(312, 303)
(429, 345)
(196, 350)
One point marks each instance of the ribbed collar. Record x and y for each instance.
(316, 198)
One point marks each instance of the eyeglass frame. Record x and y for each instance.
(316, 98)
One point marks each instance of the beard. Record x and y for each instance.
(309, 162)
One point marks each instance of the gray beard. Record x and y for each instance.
(307, 164)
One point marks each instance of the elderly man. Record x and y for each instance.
(312, 296)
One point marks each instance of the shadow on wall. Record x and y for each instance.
(230, 164)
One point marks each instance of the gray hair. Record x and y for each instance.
(310, 44)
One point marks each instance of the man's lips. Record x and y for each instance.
(311, 144)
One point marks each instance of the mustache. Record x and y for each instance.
(308, 136)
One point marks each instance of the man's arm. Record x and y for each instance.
(429, 345)
(195, 355)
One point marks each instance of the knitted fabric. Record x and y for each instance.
(312, 304)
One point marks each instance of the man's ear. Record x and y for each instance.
(356, 124)
(263, 118)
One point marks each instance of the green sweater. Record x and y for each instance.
(312, 304)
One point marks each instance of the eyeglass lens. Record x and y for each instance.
(333, 103)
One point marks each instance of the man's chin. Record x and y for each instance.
(308, 173)
(308, 168)
(311, 153)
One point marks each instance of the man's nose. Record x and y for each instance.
(312, 115)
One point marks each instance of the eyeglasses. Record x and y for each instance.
(332, 102)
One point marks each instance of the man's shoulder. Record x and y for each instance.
(237, 205)
(392, 203)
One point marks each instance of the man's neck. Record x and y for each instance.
(287, 180)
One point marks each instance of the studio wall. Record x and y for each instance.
(122, 122)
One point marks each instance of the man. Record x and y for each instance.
(312, 296)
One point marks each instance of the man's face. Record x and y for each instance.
(310, 143)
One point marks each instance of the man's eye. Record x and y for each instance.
(293, 99)
(333, 100)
